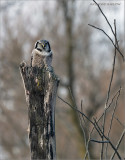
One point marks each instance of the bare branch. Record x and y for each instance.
(81, 124)
(104, 16)
(87, 151)
(112, 120)
(119, 122)
(92, 140)
(109, 26)
(82, 112)
(118, 144)
(113, 147)
(119, 92)
(79, 116)
(96, 127)
(110, 40)
(113, 68)
(108, 94)
(76, 109)
(116, 94)
(99, 129)
(109, 89)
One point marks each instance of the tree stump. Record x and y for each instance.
(40, 90)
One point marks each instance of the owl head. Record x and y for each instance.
(43, 45)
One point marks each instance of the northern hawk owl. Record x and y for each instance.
(41, 54)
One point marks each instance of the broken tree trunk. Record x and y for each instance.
(40, 90)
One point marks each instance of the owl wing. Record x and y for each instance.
(49, 60)
(31, 60)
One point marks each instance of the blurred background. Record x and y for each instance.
(82, 59)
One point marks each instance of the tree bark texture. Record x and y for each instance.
(40, 90)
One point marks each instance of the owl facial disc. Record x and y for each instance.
(43, 45)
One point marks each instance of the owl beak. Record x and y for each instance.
(43, 45)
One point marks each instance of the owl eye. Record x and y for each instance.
(39, 47)
(43, 45)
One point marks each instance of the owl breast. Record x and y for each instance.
(39, 59)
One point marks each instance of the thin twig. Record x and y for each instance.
(110, 84)
(84, 133)
(80, 120)
(103, 128)
(110, 88)
(108, 94)
(89, 137)
(110, 27)
(118, 144)
(113, 98)
(85, 126)
(113, 147)
(93, 140)
(112, 120)
(72, 98)
(79, 117)
(113, 68)
(82, 111)
(87, 151)
(110, 40)
(99, 129)
(116, 94)
(104, 16)
(96, 127)
(108, 23)
(76, 109)
(119, 122)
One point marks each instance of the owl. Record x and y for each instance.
(41, 54)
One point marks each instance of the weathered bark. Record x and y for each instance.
(40, 90)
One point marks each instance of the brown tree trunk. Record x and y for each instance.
(40, 90)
